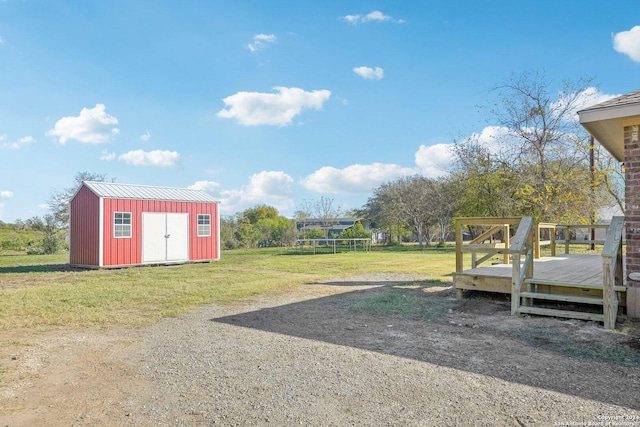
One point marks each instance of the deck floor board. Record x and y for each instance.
(574, 268)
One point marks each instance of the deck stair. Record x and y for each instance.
(525, 286)
(575, 281)
(529, 297)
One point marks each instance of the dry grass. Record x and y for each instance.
(43, 292)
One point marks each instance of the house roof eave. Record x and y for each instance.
(607, 123)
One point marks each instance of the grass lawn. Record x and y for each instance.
(41, 291)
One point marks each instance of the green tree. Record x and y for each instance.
(51, 241)
(355, 232)
(255, 214)
(381, 209)
(537, 164)
(486, 184)
(257, 226)
(228, 229)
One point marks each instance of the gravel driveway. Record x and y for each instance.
(304, 358)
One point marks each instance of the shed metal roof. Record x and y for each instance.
(113, 190)
(606, 121)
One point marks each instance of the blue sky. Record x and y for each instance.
(275, 102)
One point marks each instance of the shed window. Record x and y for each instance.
(122, 224)
(204, 225)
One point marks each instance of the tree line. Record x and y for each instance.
(540, 162)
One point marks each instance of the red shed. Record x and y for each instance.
(115, 225)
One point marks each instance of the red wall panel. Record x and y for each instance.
(84, 230)
(128, 251)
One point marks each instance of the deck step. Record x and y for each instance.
(564, 298)
(562, 313)
(535, 281)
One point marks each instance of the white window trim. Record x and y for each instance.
(198, 225)
(130, 225)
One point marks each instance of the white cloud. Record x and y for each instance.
(260, 41)
(628, 43)
(107, 155)
(208, 186)
(375, 16)
(369, 73)
(585, 99)
(354, 179)
(92, 126)
(491, 135)
(21, 142)
(44, 206)
(146, 137)
(492, 138)
(151, 158)
(274, 109)
(1, 41)
(272, 188)
(435, 160)
(269, 184)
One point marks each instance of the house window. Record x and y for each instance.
(204, 225)
(122, 224)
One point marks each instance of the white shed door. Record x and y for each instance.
(177, 237)
(165, 237)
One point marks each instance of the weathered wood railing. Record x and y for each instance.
(522, 245)
(612, 274)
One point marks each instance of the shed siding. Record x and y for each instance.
(84, 230)
(201, 248)
(128, 251)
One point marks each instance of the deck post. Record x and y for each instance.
(515, 283)
(536, 237)
(458, 246)
(609, 297)
(458, 253)
(507, 241)
(611, 255)
(529, 267)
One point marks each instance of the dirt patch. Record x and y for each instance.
(306, 356)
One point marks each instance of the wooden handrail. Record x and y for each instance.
(612, 270)
(475, 247)
(522, 244)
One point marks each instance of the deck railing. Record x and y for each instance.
(522, 245)
(570, 235)
(498, 235)
(551, 238)
(612, 274)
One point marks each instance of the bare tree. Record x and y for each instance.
(327, 213)
(445, 201)
(303, 215)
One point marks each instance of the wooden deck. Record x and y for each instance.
(576, 269)
(578, 279)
